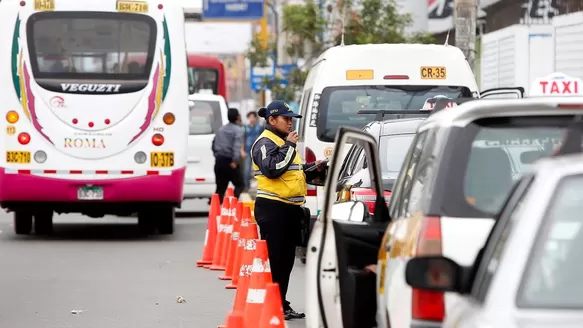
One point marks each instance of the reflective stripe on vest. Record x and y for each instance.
(291, 199)
(291, 167)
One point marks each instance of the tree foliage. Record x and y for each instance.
(365, 21)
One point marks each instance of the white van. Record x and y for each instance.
(208, 112)
(346, 79)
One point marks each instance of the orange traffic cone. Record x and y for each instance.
(241, 295)
(260, 277)
(232, 246)
(232, 204)
(244, 257)
(224, 220)
(211, 233)
(235, 320)
(230, 192)
(272, 314)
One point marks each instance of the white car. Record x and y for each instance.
(208, 113)
(454, 179)
(530, 269)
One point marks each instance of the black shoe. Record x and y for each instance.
(291, 314)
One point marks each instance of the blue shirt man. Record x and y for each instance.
(252, 131)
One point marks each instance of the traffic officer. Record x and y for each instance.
(281, 190)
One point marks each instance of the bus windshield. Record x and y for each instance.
(203, 79)
(339, 105)
(91, 46)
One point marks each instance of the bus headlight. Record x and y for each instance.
(140, 157)
(40, 156)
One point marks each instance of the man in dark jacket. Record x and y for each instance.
(227, 150)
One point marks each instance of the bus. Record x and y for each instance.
(87, 130)
(207, 73)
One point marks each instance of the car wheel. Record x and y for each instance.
(22, 222)
(43, 223)
(165, 220)
(146, 222)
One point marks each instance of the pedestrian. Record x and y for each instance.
(281, 190)
(251, 133)
(227, 151)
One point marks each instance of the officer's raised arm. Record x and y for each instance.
(272, 160)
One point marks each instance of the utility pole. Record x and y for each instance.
(264, 36)
(465, 18)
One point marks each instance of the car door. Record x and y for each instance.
(503, 93)
(340, 292)
(488, 259)
(206, 117)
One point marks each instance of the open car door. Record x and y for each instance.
(345, 239)
(503, 93)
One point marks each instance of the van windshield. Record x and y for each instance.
(338, 106)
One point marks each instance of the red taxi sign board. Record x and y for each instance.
(557, 84)
(427, 106)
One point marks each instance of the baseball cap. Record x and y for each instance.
(280, 108)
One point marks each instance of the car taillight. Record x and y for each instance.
(367, 196)
(428, 305)
(311, 157)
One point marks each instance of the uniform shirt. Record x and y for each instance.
(271, 159)
(227, 142)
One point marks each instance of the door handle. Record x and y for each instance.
(329, 270)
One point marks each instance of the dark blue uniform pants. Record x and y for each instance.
(279, 225)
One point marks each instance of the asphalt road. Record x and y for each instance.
(96, 273)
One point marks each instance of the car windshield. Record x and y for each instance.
(338, 106)
(497, 158)
(392, 151)
(553, 276)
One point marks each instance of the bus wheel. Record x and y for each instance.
(43, 223)
(22, 222)
(165, 220)
(146, 222)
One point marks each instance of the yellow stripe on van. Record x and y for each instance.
(44, 5)
(364, 74)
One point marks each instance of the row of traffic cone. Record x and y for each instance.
(232, 245)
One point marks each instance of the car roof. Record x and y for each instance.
(394, 126)
(559, 166)
(468, 112)
(206, 96)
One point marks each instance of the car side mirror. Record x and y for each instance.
(345, 137)
(350, 211)
(435, 273)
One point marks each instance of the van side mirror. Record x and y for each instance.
(435, 273)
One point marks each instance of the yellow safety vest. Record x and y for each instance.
(290, 187)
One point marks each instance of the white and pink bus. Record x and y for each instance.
(86, 129)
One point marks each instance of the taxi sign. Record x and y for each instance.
(429, 106)
(557, 84)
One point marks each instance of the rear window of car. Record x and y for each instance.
(392, 152)
(205, 117)
(553, 277)
(487, 156)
